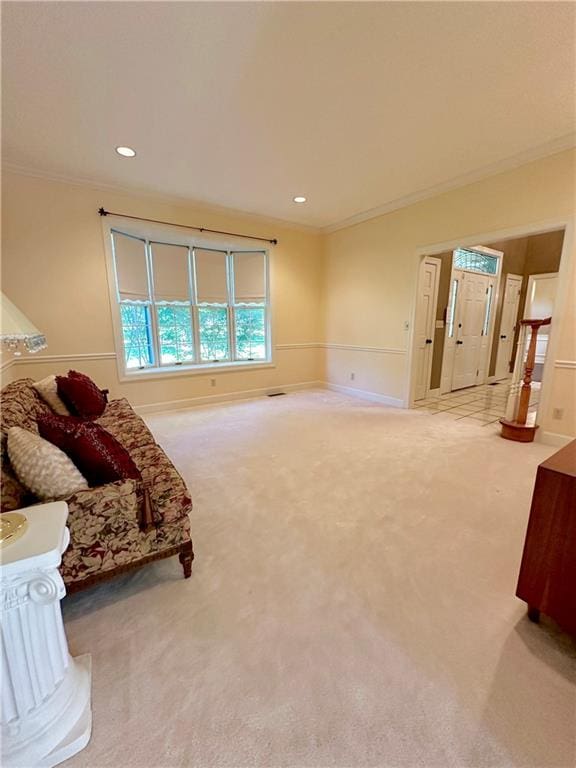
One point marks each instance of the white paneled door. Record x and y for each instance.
(426, 324)
(471, 320)
(508, 320)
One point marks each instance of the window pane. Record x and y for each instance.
(452, 307)
(136, 334)
(250, 333)
(211, 279)
(486, 326)
(213, 333)
(250, 278)
(131, 269)
(170, 270)
(475, 261)
(175, 333)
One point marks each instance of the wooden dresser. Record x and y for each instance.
(547, 580)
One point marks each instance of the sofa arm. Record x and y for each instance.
(103, 512)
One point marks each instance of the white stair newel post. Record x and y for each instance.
(517, 375)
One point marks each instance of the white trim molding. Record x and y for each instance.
(299, 345)
(347, 347)
(246, 394)
(5, 365)
(553, 147)
(357, 348)
(570, 364)
(199, 207)
(80, 357)
(254, 394)
(554, 438)
(365, 394)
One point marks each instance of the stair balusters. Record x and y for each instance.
(514, 425)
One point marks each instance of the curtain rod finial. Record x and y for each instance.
(274, 242)
(102, 212)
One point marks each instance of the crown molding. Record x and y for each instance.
(560, 144)
(146, 193)
(553, 147)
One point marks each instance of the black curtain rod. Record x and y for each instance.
(104, 212)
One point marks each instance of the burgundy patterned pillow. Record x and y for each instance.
(81, 395)
(96, 453)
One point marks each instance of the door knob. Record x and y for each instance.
(459, 342)
(428, 341)
(502, 337)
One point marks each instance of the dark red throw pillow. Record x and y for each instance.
(81, 395)
(96, 453)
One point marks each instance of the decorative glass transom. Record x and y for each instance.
(475, 261)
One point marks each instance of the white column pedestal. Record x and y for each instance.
(46, 716)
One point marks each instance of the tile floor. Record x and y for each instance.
(483, 405)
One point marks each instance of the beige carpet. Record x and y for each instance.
(352, 601)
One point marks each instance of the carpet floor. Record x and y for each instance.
(351, 604)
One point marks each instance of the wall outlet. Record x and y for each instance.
(352, 376)
(212, 382)
(558, 413)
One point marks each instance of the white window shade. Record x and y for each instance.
(250, 278)
(131, 270)
(170, 271)
(211, 282)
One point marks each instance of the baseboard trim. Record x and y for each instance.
(365, 394)
(553, 438)
(247, 394)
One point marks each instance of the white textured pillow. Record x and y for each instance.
(48, 391)
(42, 467)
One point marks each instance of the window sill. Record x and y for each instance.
(171, 371)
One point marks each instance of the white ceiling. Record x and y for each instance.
(245, 105)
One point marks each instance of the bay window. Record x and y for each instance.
(189, 306)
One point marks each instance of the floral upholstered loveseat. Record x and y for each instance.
(105, 535)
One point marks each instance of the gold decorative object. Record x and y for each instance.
(12, 526)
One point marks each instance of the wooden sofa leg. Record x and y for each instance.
(186, 556)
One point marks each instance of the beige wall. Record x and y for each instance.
(53, 268)
(371, 271)
(364, 276)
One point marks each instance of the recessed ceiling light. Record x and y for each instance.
(299, 199)
(126, 151)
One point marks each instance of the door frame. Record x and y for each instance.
(448, 359)
(516, 277)
(438, 262)
(562, 305)
(531, 280)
